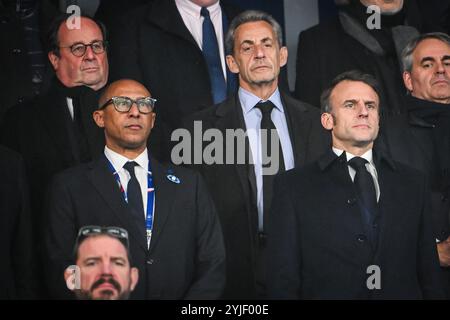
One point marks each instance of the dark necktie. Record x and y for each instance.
(134, 193)
(365, 189)
(266, 146)
(212, 56)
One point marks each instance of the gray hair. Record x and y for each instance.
(412, 45)
(250, 16)
(353, 75)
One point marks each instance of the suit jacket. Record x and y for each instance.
(233, 186)
(186, 258)
(156, 48)
(332, 47)
(318, 247)
(16, 246)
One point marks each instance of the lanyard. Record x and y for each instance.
(150, 198)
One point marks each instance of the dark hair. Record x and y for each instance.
(250, 16)
(412, 45)
(353, 75)
(52, 44)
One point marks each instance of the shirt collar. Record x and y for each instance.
(368, 155)
(118, 160)
(249, 100)
(193, 10)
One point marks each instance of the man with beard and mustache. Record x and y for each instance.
(242, 191)
(175, 235)
(350, 42)
(104, 264)
(55, 131)
(421, 138)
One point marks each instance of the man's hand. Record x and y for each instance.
(443, 248)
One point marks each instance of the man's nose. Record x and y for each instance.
(259, 51)
(89, 54)
(134, 110)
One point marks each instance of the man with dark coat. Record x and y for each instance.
(355, 224)
(161, 45)
(175, 236)
(358, 39)
(241, 188)
(55, 131)
(421, 138)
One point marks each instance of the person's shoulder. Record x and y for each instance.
(323, 29)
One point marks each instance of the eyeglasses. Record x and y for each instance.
(120, 233)
(123, 104)
(79, 49)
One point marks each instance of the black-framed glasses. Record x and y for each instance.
(120, 233)
(123, 104)
(79, 49)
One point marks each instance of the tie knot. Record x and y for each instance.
(265, 107)
(358, 163)
(129, 166)
(204, 12)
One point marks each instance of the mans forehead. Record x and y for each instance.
(254, 30)
(432, 48)
(86, 30)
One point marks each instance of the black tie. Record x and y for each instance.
(211, 53)
(134, 193)
(365, 188)
(267, 124)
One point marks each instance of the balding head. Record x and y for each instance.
(118, 87)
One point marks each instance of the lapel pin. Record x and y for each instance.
(173, 178)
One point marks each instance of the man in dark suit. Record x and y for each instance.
(242, 189)
(175, 235)
(358, 39)
(16, 269)
(421, 137)
(162, 45)
(354, 224)
(55, 131)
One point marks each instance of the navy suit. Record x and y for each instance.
(318, 248)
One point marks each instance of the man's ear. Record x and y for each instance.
(327, 120)
(98, 118)
(407, 80)
(54, 60)
(232, 65)
(283, 56)
(134, 274)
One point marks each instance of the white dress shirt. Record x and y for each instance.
(190, 12)
(252, 118)
(70, 107)
(141, 171)
(370, 166)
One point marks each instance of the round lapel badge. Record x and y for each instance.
(173, 178)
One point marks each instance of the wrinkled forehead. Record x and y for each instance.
(101, 246)
(254, 31)
(433, 48)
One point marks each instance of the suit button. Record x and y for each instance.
(150, 261)
(361, 238)
(16, 51)
(351, 201)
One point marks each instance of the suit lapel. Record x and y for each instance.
(103, 180)
(298, 128)
(94, 135)
(231, 117)
(165, 195)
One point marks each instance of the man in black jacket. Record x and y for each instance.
(421, 138)
(355, 224)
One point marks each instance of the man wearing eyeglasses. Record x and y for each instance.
(55, 131)
(103, 265)
(175, 235)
